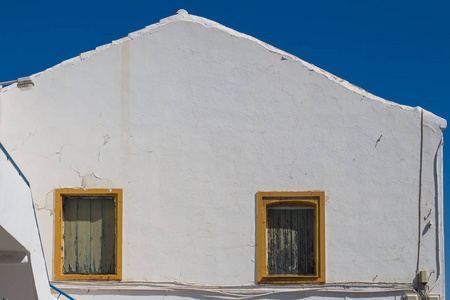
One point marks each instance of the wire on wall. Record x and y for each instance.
(420, 198)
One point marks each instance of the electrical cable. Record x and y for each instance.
(438, 250)
(420, 199)
(247, 292)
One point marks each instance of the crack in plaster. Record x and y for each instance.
(241, 247)
(79, 174)
(60, 152)
(30, 135)
(286, 92)
(106, 139)
(38, 207)
(45, 207)
(85, 180)
(91, 180)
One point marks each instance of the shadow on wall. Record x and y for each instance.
(16, 275)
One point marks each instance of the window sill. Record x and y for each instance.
(283, 279)
(105, 277)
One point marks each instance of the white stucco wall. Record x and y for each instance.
(26, 279)
(191, 119)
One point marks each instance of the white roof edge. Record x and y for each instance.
(182, 15)
(440, 122)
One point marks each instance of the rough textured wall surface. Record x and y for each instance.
(191, 119)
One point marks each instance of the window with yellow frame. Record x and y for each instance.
(88, 234)
(290, 237)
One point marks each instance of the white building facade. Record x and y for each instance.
(23, 274)
(197, 134)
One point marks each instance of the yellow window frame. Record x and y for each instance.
(289, 199)
(60, 194)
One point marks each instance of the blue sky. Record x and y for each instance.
(398, 50)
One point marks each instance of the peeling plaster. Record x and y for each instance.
(93, 181)
(106, 139)
(48, 198)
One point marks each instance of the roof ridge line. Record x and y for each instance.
(182, 15)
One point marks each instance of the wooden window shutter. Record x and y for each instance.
(89, 235)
